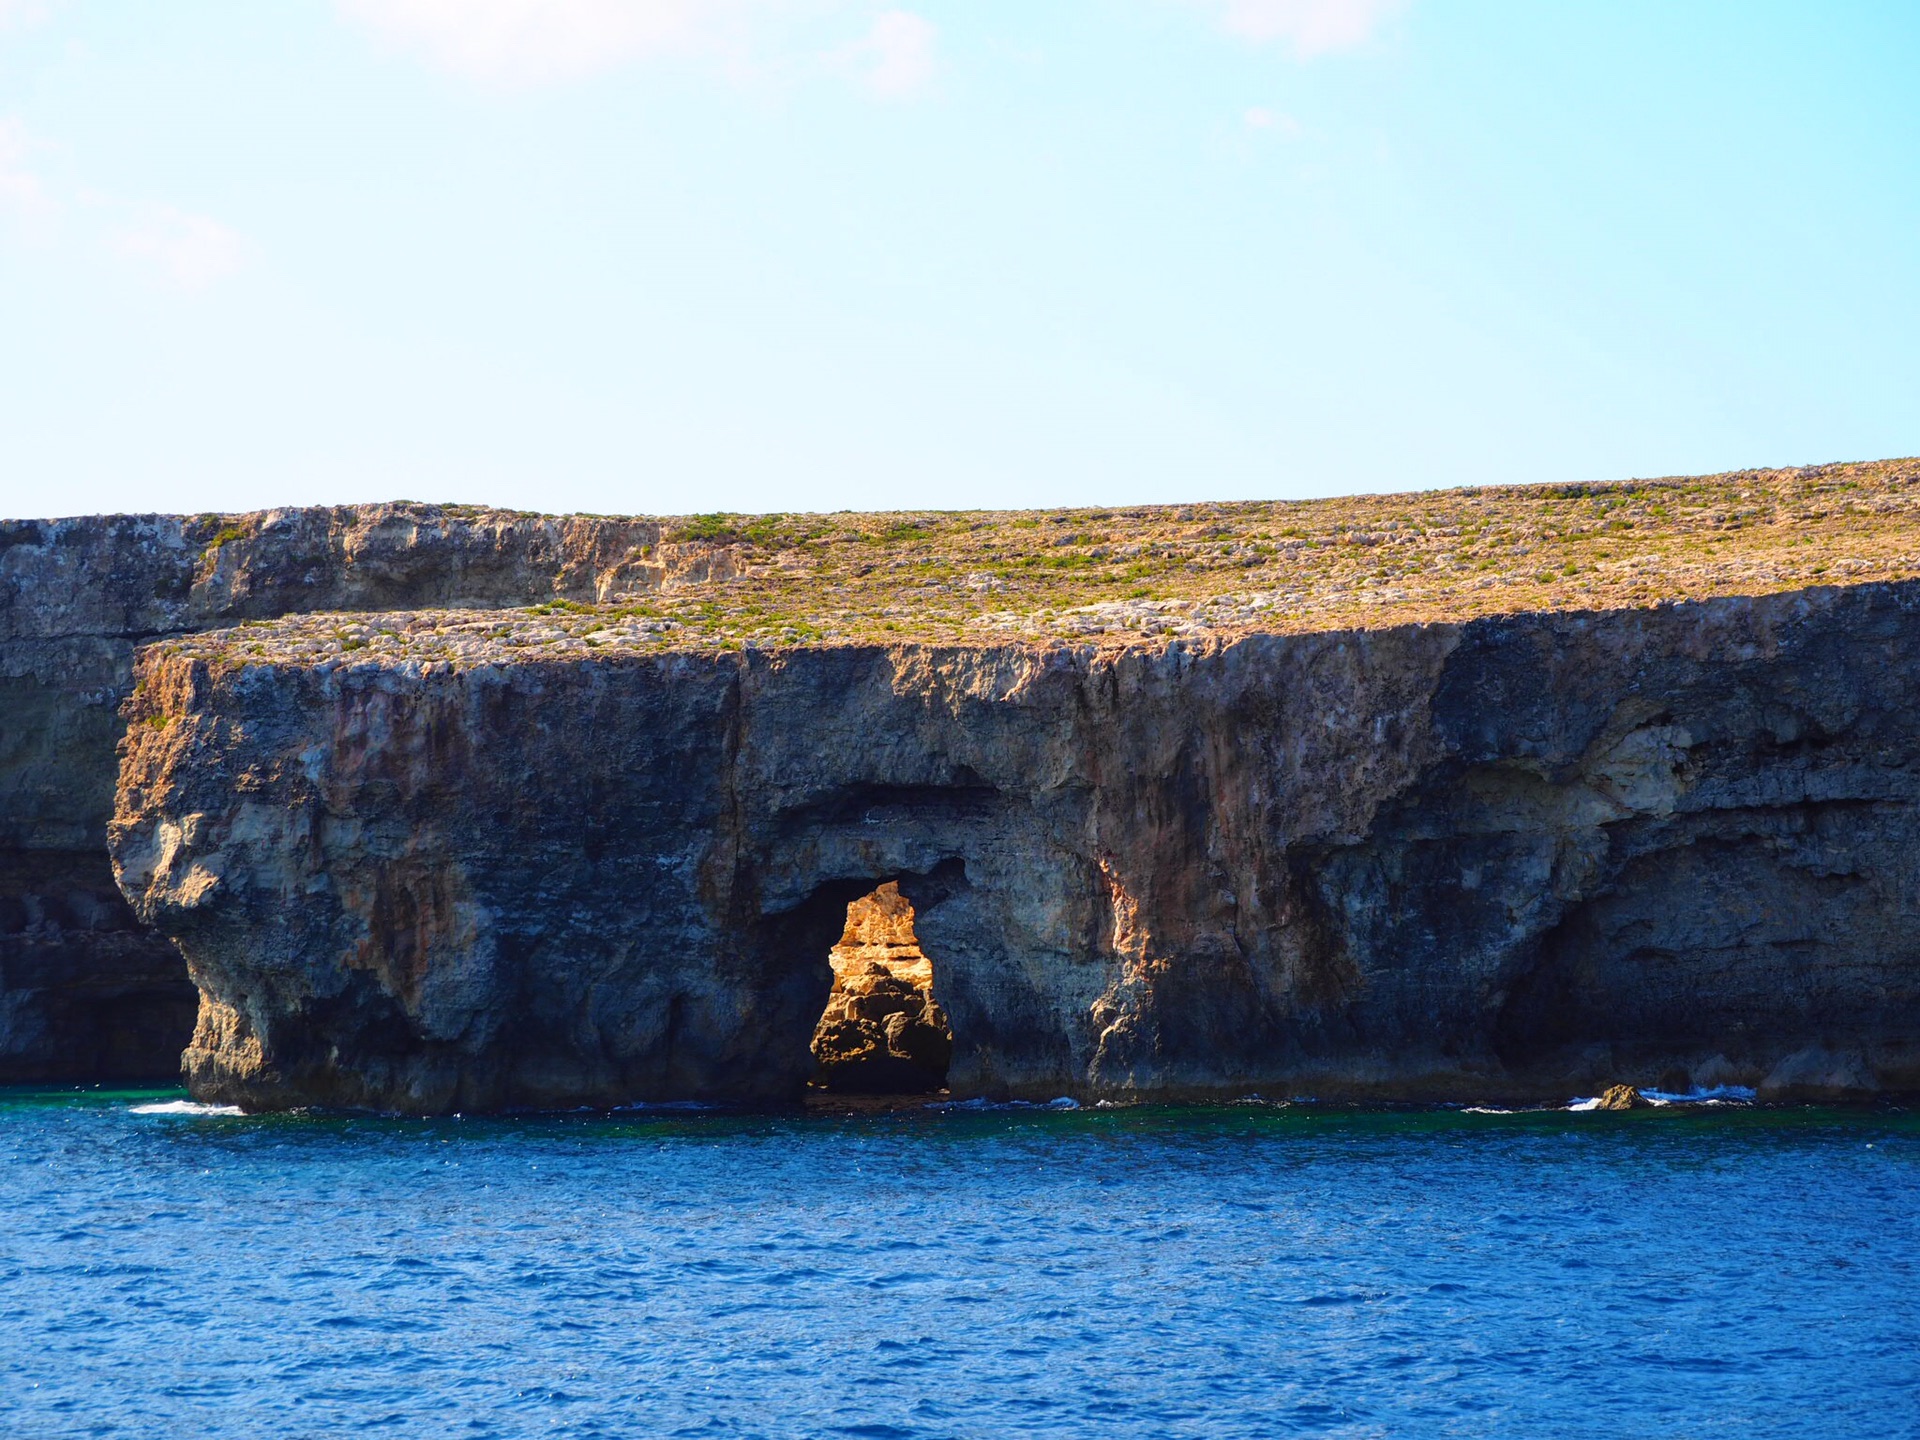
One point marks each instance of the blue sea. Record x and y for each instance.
(1247, 1270)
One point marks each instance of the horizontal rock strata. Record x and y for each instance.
(1516, 857)
(86, 992)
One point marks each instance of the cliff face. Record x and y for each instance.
(86, 993)
(1515, 857)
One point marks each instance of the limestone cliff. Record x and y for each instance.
(1519, 856)
(86, 993)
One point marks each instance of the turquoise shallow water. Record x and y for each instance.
(1237, 1271)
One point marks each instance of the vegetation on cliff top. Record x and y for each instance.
(1162, 571)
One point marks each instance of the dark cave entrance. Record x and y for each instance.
(882, 1032)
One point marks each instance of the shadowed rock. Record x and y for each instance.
(86, 992)
(1518, 857)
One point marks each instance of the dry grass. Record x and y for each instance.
(1146, 572)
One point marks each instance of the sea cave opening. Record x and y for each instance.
(882, 1032)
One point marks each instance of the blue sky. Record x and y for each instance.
(686, 255)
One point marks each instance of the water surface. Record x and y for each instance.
(1234, 1271)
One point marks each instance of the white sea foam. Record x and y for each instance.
(185, 1107)
(1718, 1095)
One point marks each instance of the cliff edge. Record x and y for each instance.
(1508, 858)
(87, 994)
(422, 601)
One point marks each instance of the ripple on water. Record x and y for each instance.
(968, 1271)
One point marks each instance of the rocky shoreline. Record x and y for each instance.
(1516, 858)
(427, 807)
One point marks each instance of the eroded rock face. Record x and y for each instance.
(1518, 857)
(883, 1033)
(86, 992)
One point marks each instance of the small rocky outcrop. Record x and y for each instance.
(883, 1033)
(1622, 1097)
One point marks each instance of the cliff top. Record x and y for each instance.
(726, 581)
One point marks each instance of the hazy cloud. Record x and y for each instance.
(1308, 27)
(900, 48)
(191, 251)
(532, 42)
(22, 12)
(517, 44)
(1259, 117)
(182, 248)
(24, 197)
